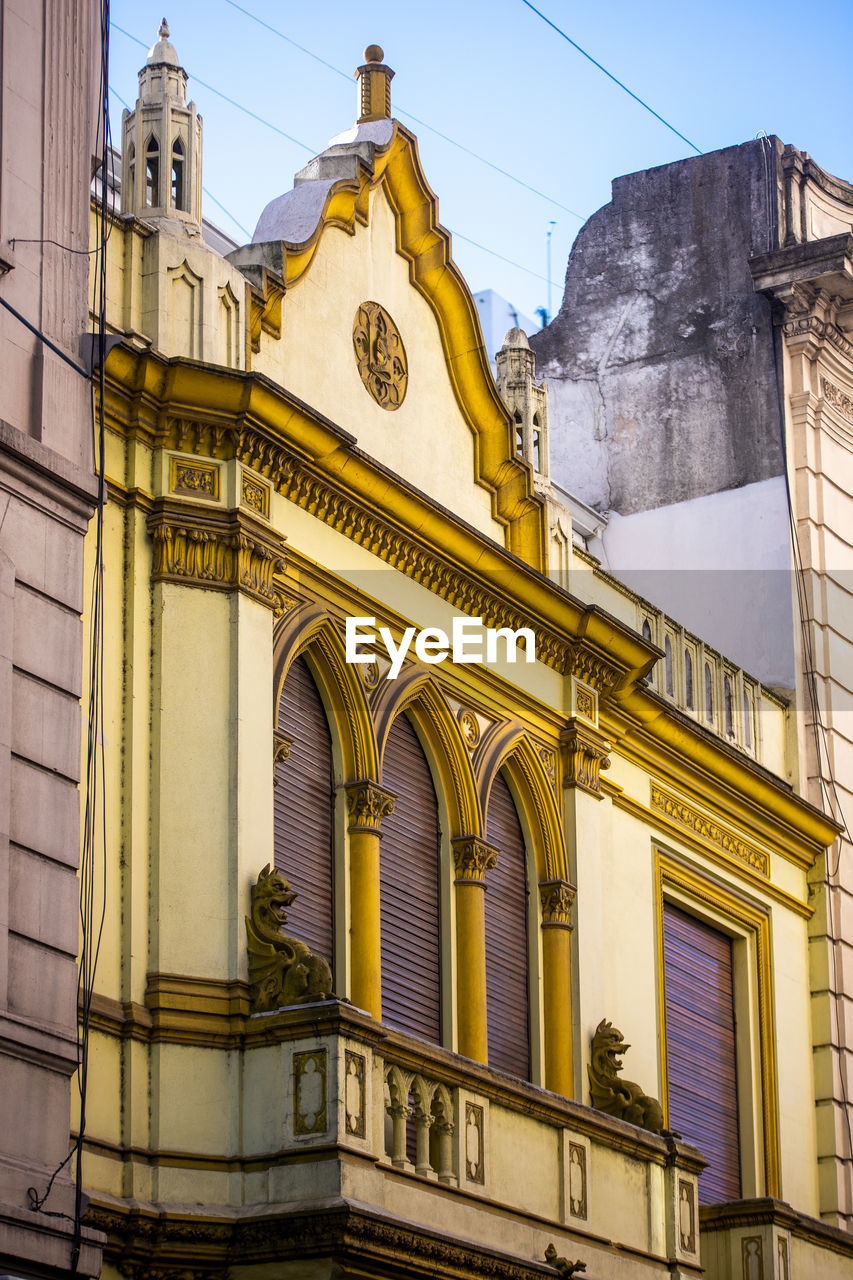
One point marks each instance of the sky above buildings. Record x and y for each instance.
(507, 90)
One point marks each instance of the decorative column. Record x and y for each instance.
(473, 858)
(368, 805)
(557, 897)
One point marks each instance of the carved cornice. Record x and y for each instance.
(585, 754)
(594, 668)
(171, 1247)
(220, 550)
(686, 816)
(472, 858)
(557, 898)
(368, 805)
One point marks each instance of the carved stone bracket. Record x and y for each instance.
(557, 898)
(368, 805)
(473, 858)
(591, 667)
(585, 754)
(219, 550)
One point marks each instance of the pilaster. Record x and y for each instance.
(472, 859)
(368, 805)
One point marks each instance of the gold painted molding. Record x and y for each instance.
(220, 550)
(709, 830)
(657, 821)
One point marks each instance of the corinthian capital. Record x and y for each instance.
(557, 897)
(368, 805)
(473, 858)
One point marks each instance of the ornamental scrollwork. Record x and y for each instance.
(557, 898)
(380, 355)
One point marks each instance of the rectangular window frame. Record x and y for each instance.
(748, 924)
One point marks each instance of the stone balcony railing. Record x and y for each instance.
(438, 1140)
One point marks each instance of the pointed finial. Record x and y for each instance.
(163, 33)
(374, 86)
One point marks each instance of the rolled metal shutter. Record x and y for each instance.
(409, 890)
(304, 812)
(700, 1048)
(507, 959)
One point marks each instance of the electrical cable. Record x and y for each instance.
(42, 337)
(408, 114)
(527, 270)
(610, 75)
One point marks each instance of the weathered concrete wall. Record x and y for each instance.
(660, 361)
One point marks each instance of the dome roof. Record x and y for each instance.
(516, 338)
(163, 50)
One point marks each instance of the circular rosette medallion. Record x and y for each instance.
(380, 354)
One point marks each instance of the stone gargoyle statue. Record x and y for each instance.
(617, 1097)
(566, 1268)
(282, 970)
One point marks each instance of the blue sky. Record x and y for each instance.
(497, 80)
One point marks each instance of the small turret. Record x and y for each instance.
(526, 400)
(161, 144)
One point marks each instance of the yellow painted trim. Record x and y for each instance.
(426, 246)
(703, 888)
(311, 631)
(678, 834)
(418, 693)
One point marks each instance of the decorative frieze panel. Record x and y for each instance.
(354, 1095)
(686, 816)
(309, 1094)
(255, 495)
(194, 479)
(474, 1144)
(220, 550)
(840, 401)
(752, 1258)
(687, 1215)
(578, 1181)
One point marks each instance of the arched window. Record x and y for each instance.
(688, 678)
(709, 695)
(178, 175)
(152, 172)
(728, 710)
(667, 649)
(747, 721)
(519, 433)
(409, 889)
(647, 635)
(128, 178)
(507, 963)
(303, 812)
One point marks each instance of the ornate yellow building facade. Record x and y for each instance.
(374, 924)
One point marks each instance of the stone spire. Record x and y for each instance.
(374, 86)
(526, 400)
(161, 145)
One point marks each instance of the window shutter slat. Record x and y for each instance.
(507, 968)
(303, 812)
(701, 1053)
(409, 890)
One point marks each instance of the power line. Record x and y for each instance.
(458, 235)
(408, 114)
(610, 75)
(246, 111)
